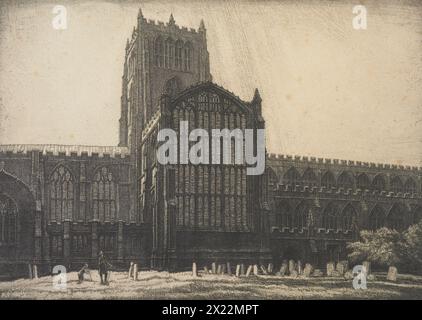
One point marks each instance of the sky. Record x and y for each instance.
(328, 90)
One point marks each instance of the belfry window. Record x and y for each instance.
(8, 221)
(61, 195)
(159, 52)
(178, 55)
(187, 65)
(104, 193)
(169, 53)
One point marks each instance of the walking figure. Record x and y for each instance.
(103, 268)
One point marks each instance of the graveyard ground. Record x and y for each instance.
(162, 285)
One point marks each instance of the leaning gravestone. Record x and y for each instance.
(307, 270)
(238, 270)
(248, 272)
(263, 270)
(330, 269)
(283, 269)
(255, 270)
(392, 274)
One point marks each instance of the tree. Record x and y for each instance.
(412, 247)
(381, 247)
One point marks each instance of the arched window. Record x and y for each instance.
(169, 53)
(187, 54)
(376, 218)
(345, 181)
(379, 183)
(271, 176)
(348, 218)
(301, 215)
(159, 52)
(396, 184)
(363, 181)
(8, 221)
(291, 177)
(309, 178)
(328, 180)
(104, 194)
(395, 218)
(178, 55)
(284, 215)
(329, 216)
(61, 195)
(410, 186)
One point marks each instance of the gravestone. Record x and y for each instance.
(194, 270)
(307, 270)
(341, 267)
(219, 269)
(299, 267)
(270, 268)
(263, 270)
(135, 272)
(238, 270)
(294, 274)
(255, 270)
(317, 273)
(367, 266)
(330, 269)
(130, 273)
(206, 271)
(213, 268)
(392, 274)
(35, 272)
(242, 269)
(292, 266)
(223, 269)
(229, 269)
(248, 272)
(283, 269)
(30, 271)
(348, 275)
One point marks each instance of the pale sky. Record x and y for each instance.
(328, 90)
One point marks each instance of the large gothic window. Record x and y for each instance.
(8, 221)
(291, 177)
(284, 215)
(410, 186)
(61, 195)
(378, 183)
(396, 184)
(302, 213)
(187, 55)
(376, 218)
(363, 181)
(178, 62)
(159, 52)
(348, 218)
(309, 178)
(104, 194)
(329, 216)
(169, 53)
(328, 180)
(395, 218)
(345, 181)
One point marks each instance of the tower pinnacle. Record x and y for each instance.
(171, 20)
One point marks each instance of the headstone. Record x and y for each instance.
(194, 270)
(206, 270)
(35, 272)
(367, 266)
(341, 267)
(263, 270)
(242, 269)
(307, 270)
(270, 268)
(30, 271)
(135, 272)
(255, 270)
(223, 269)
(213, 268)
(219, 269)
(238, 270)
(348, 275)
(229, 269)
(330, 269)
(392, 274)
(283, 269)
(292, 266)
(130, 273)
(248, 272)
(299, 267)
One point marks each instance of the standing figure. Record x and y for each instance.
(103, 267)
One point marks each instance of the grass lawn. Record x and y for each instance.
(164, 285)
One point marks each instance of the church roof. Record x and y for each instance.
(56, 149)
